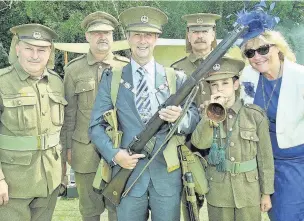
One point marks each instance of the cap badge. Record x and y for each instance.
(37, 35)
(144, 19)
(216, 67)
(199, 21)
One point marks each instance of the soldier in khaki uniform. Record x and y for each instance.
(82, 76)
(31, 110)
(240, 168)
(200, 41)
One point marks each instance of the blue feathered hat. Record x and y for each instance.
(258, 20)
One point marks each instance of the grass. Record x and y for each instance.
(67, 210)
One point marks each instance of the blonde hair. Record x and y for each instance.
(276, 38)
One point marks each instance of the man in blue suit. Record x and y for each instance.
(143, 88)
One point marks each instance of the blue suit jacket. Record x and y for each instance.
(130, 123)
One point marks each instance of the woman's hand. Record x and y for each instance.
(265, 203)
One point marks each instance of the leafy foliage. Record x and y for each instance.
(65, 18)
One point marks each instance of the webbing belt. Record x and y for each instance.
(26, 143)
(240, 167)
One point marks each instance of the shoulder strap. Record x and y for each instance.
(171, 78)
(116, 77)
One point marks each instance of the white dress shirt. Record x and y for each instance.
(150, 68)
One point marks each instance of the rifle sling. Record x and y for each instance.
(187, 105)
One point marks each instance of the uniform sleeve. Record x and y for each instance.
(202, 136)
(265, 158)
(1, 110)
(191, 118)
(69, 112)
(98, 125)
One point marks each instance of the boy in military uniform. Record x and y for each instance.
(200, 41)
(31, 111)
(240, 168)
(143, 89)
(82, 76)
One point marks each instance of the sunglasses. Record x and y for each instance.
(263, 50)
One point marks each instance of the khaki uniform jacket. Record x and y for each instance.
(189, 64)
(30, 107)
(250, 139)
(82, 76)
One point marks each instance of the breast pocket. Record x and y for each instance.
(86, 94)
(250, 140)
(19, 113)
(57, 103)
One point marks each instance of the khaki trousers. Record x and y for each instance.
(91, 204)
(234, 214)
(32, 209)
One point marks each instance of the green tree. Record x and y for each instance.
(65, 18)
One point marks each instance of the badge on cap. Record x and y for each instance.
(199, 21)
(144, 19)
(37, 35)
(216, 67)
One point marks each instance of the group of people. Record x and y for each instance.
(256, 157)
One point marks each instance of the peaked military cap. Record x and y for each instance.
(99, 21)
(143, 19)
(201, 21)
(34, 34)
(226, 67)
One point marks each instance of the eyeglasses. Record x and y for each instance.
(263, 50)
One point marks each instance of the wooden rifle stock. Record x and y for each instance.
(116, 187)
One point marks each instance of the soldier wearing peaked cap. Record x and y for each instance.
(200, 41)
(82, 76)
(240, 169)
(145, 85)
(31, 111)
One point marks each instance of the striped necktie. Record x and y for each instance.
(142, 99)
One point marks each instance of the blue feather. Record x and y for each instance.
(257, 20)
(272, 6)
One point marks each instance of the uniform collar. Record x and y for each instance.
(23, 75)
(92, 60)
(236, 106)
(193, 58)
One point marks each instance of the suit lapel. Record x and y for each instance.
(160, 78)
(128, 94)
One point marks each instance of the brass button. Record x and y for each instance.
(19, 102)
(232, 159)
(100, 67)
(256, 177)
(83, 89)
(12, 160)
(114, 193)
(231, 144)
(230, 129)
(203, 92)
(211, 178)
(230, 116)
(251, 138)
